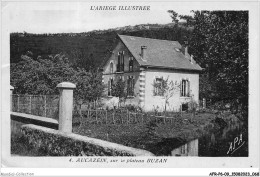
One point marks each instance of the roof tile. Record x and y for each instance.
(160, 53)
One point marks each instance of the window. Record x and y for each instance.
(110, 85)
(185, 88)
(120, 61)
(158, 87)
(184, 149)
(131, 64)
(185, 107)
(130, 86)
(111, 67)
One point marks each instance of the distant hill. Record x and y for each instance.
(89, 49)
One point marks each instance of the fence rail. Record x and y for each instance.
(39, 105)
(47, 106)
(119, 116)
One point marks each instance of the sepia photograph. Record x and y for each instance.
(129, 83)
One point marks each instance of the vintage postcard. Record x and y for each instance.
(128, 86)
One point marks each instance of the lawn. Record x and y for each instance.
(150, 136)
(158, 138)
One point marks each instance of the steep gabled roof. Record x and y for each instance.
(160, 53)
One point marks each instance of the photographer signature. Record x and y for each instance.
(236, 144)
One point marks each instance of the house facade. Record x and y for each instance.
(144, 64)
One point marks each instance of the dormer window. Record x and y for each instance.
(131, 64)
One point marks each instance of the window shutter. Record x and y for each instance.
(129, 64)
(181, 88)
(118, 62)
(127, 86)
(188, 87)
(109, 88)
(112, 84)
(184, 87)
(133, 86)
(123, 62)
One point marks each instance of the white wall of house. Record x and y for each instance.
(152, 101)
(149, 101)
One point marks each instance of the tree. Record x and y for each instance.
(174, 16)
(166, 89)
(219, 43)
(189, 19)
(119, 90)
(89, 88)
(226, 56)
(42, 76)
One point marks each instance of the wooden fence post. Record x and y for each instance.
(121, 117)
(66, 106)
(106, 116)
(204, 103)
(181, 110)
(113, 116)
(18, 107)
(45, 106)
(127, 116)
(96, 116)
(30, 104)
(193, 111)
(11, 98)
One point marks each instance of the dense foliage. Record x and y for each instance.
(119, 89)
(220, 44)
(41, 143)
(41, 76)
(84, 50)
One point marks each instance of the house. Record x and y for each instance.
(144, 63)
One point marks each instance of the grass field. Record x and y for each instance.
(154, 137)
(150, 136)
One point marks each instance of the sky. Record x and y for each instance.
(64, 17)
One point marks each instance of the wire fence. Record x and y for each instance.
(39, 105)
(47, 106)
(124, 116)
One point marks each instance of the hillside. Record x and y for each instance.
(88, 49)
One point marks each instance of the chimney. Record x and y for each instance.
(186, 51)
(191, 59)
(143, 52)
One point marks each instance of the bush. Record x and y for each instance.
(49, 144)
